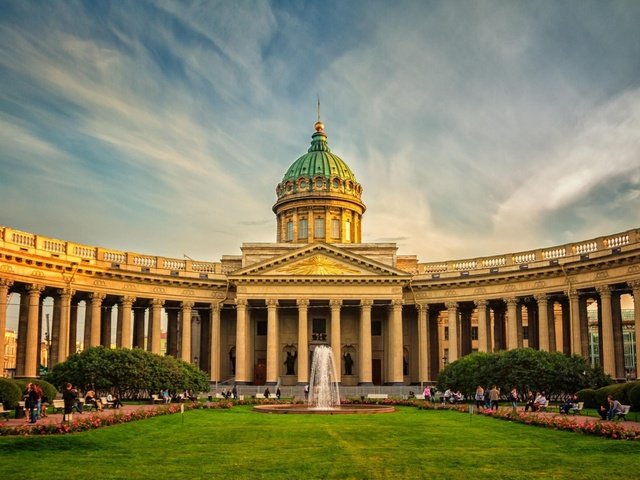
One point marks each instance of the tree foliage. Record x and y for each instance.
(524, 368)
(131, 373)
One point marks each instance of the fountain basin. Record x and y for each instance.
(307, 410)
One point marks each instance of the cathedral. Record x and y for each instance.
(255, 318)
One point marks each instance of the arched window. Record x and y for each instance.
(303, 230)
(318, 228)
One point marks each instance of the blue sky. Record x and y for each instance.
(475, 127)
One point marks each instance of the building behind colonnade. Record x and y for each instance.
(255, 318)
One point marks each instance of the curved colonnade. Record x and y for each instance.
(256, 317)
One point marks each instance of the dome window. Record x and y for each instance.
(349, 185)
(319, 183)
(303, 183)
(289, 187)
(336, 183)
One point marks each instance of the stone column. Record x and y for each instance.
(64, 302)
(138, 326)
(365, 350)
(483, 344)
(185, 331)
(215, 343)
(155, 317)
(574, 313)
(172, 332)
(608, 352)
(73, 326)
(423, 335)
(23, 320)
(272, 341)
(303, 341)
(543, 321)
(635, 288)
(395, 343)
(33, 333)
(242, 330)
(105, 325)
(124, 314)
(452, 311)
(96, 305)
(336, 344)
(512, 323)
(4, 300)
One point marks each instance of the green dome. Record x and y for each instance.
(319, 161)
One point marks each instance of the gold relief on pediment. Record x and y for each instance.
(317, 265)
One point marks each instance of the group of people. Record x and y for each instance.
(267, 393)
(490, 397)
(230, 393)
(535, 402)
(34, 398)
(610, 408)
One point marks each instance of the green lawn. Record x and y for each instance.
(239, 443)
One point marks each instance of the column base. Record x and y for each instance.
(365, 384)
(271, 384)
(395, 384)
(242, 382)
(302, 384)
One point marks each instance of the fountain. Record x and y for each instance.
(324, 391)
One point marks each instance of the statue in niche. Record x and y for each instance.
(290, 362)
(348, 364)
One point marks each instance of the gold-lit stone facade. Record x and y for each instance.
(255, 318)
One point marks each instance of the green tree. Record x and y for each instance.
(524, 368)
(131, 373)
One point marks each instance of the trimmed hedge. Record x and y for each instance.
(10, 393)
(634, 396)
(49, 390)
(588, 396)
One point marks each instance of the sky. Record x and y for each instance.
(475, 127)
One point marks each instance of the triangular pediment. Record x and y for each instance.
(319, 260)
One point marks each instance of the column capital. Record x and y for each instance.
(603, 290)
(635, 286)
(215, 307)
(303, 302)
(272, 303)
(127, 301)
(5, 282)
(35, 288)
(572, 294)
(157, 302)
(97, 297)
(366, 303)
(541, 297)
(66, 292)
(481, 303)
(397, 302)
(510, 301)
(187, 304)
(451, 305)
(335, 303)
(422, 307)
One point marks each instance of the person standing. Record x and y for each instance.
(69, 396)
(479, 396)
(34, 402)
(513, 397)
(494, 396)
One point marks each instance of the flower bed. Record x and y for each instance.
(93, 421)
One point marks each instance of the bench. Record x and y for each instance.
(106, 403)
(261, 395)
(577, 408)
(543, 407)
(419, 396)
(377, 396)
(623, 414)
(156, 399)
(58, 405)
(4, 413)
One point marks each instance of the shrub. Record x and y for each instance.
(49, 390)
(10, 393)
(634, 397)
(616, 390)
(588, 396)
